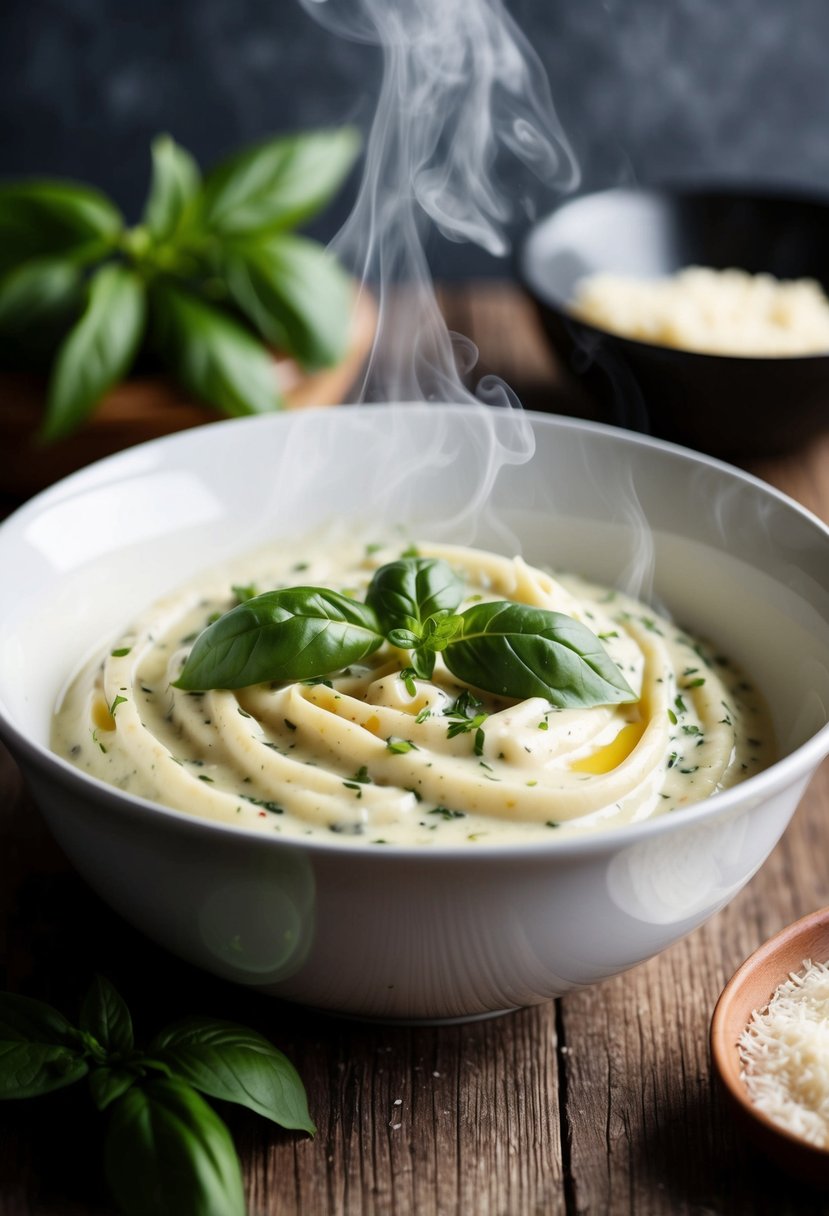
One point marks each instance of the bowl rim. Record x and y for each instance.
(756, 790)
(771, 192)
(723, 1048)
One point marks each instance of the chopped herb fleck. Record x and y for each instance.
(446, 812)
(273, 807)
(120, 652)
(399, 747)
(119, 700)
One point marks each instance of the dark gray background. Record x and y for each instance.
(647, 90)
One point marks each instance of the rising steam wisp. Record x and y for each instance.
(463, 97)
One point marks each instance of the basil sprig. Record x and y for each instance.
(167, 1151)
(510, 649)
(209, 280)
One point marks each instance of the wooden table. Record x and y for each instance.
(599, 1102)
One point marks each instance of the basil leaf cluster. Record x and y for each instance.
(509, 649)
(207, 282)
(167, 1151)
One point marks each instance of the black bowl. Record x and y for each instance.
(731, 406)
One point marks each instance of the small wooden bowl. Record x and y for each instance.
(147, 407)
(750, 988)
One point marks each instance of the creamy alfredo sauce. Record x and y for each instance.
(360, 760)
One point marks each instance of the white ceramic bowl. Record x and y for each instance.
(396, 933)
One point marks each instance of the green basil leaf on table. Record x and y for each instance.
(108, 1084)
(279, 183)
(405, 593)
(293, 634)
(43, 218)
(296, 294)
(211, 355)
(38, 292)
(98, 351)
(174, 187)
(169, 1154)
(237, 1065)
(40, 1051)
(518, 651)
(105, 1015)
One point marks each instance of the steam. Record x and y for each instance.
(464, 122)
(461, 88)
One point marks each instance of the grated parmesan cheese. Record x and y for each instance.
(784, 1053)
(718, 312)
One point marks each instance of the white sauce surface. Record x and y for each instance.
(306, 759)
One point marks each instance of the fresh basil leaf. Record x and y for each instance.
(174, 187)
(39, 292)
(108, 1084)
(296, 294)
(438, 631)
(105, 1015)
(237, 1065)
(423, 662)
(293, 634)
(34, 1021)
(407, 592)
(28, 1070)
(98, 350)
(43, 218)
(276, 184)
(404, 639)
(169, 1154)
(40, 1051)
(211, 355)
(518, 651)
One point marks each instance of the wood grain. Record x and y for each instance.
(601, 1102)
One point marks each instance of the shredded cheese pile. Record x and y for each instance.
(723, 312)
(784, 1052)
